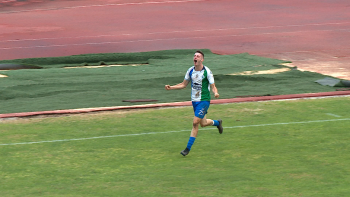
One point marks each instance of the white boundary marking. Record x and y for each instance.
(189, 31)
(160, 39)
(151, 133)
(101, 5)
(334, 115)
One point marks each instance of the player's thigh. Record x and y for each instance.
(201, 108)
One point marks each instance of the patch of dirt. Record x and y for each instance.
(262, 72)
(336, 65)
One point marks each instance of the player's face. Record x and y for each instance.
(198, 59)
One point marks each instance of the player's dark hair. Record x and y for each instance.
(200, 53)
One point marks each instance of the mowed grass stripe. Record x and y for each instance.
(152, 133)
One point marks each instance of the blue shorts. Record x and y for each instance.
(200, 108)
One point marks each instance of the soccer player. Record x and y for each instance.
(202, 80)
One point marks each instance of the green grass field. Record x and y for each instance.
(275, 148)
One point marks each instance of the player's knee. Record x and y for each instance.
(196, 124)
(196, 121)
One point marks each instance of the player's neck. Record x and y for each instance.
(198, 67)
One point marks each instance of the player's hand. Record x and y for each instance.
(216, 95)
(167, 87)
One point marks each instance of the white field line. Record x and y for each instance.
(334, 115)
(188, 31)
(102, 5)
(151, 133)
(156, 40)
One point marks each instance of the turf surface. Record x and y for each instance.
(281, 148)
(55, 87)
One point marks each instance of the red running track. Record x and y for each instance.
(313, 34)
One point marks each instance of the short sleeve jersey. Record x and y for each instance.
(200, 83)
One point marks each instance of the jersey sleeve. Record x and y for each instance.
(210, 76)
(188, 73)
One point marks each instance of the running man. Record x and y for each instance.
(202, 80)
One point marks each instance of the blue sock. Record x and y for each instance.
(190, 142)
(216, 123)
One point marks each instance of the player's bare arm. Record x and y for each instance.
(215, 90)
(181, 85)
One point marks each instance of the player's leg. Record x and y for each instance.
(217, 123)
(194, 133)
(199, 113)
(209, 122)
(195, 125)
(206, 122)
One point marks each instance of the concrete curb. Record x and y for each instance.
(176, 104)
